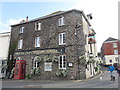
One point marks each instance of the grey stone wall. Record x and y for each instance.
(74, 47)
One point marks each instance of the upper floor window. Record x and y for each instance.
(37, 26)
(62, 62)
(21, 29)
(61, 21)
(20, 44)
(114, 45)
(115, 51)
(62, 38)
(37, 42)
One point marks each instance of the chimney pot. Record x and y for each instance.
(27, 19)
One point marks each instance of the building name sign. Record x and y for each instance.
(49, 51)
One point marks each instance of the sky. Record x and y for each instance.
(104, 12)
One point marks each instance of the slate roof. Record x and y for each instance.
(54, 14)
(110, 39)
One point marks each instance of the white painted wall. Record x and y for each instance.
(4, 47)
(107, 59)
(90, 68)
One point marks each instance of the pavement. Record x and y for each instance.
(28, 80)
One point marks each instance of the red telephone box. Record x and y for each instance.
(20, 69)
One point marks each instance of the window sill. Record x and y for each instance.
(62, 44)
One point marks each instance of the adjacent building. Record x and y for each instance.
(4, 47)
(110, 51)
(53, 45)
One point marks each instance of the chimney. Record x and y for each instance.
(89, 16)
(27, 19)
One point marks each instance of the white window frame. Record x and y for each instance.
(22, 29)
(62, 38)
(116, 52)
(37, 26)
(115, 45)
(20, 44)
(37, 41)
(61, 21)
(62, 63)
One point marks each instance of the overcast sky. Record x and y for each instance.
(104, 12)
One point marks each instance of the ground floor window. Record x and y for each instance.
(36, 64)
(62, 62)
(48, 66)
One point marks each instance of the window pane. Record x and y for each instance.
(115, 51)
(64, 38)
(59, 22)
(37, 42)
(20, 44)
(60, 38)
(114, 45)
(21, 29)
(39, 26)
(62, 21)
(60, 62)
(64, 63)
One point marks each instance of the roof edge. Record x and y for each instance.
(43, 17)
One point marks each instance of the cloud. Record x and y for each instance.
(5, 27)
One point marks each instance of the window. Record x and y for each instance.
(61, 21)
(62, 62)
(37, 26)
(62, 38)
(20, 44)
(114, 45)
(48, 66)
(115, 51)
(21, 29)
(37, 42)
(36, 64)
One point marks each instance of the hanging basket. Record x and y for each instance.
(47, 59)
(82, 59)
(55, 59)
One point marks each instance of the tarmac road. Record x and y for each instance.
(90, 83)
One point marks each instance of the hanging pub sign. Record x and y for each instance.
(38, 52)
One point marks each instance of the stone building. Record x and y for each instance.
(52, 45)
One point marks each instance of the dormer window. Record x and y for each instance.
(37, 26)
(21, 29)
(61, 21)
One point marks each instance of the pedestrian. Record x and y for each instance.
(111, 68)
(12, 73)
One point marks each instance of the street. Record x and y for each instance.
(95, 82)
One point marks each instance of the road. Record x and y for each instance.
(91, 83)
